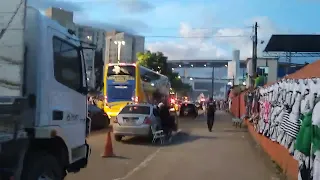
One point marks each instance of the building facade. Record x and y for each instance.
(85, 33)
(92, 36)
(63, 17)
(266, 66)
(127, 52)
(199, 73)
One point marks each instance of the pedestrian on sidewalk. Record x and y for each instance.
(211, 109)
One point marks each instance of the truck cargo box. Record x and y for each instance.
(12, 48)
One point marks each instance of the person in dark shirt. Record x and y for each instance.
(211, 109)
(164, 111)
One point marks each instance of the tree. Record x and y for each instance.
(158, 62)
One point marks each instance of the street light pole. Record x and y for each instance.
(119, 43)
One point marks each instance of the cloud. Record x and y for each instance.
(218, 47)
(135, 6)
(195, 46)
(243, 42)
(107, 26)
(131, 26)
(82, 16)
(187, 32)
(44, 4)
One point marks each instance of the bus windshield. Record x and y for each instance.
(120, 93)
(121, 70)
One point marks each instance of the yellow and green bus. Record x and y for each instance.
(131, 83)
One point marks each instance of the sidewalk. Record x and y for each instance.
(225, 154)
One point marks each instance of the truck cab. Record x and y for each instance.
(43, 98)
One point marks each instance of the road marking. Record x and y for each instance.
(141, 165)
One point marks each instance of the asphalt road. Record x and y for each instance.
(224, 154)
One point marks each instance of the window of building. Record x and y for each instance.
(263, 70)
(67, 64)
(89, 38)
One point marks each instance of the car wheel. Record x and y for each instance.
(118, 138)
(150, 134)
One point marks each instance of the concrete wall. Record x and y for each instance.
(272, 65)
(64, 18)
(236, 60)
(138, 46)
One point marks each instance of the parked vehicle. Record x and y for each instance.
(136, 120)
(99, 119)
(43, 96)
(188, 110)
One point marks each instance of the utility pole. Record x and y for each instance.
(212, 81)
(254, 53)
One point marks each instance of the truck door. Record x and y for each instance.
(66, 80)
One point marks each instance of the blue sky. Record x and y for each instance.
(206, 19)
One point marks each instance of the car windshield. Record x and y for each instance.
(135, 110)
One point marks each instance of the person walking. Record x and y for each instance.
(211, 109)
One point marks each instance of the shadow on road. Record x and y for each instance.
(233, 130)
(180, 138)
(137, 141)
(186, 137)
(118, 157)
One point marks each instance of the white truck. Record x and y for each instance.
(43, 96)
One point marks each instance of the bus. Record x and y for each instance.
(131, 83)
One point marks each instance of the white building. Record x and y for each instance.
(268, 65)
(127, 52)
(234, 67)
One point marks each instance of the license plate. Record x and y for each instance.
(129, 121)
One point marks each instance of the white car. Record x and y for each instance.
(136, 120)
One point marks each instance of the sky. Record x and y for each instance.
(196, 29)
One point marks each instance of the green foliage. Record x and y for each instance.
(158, 62)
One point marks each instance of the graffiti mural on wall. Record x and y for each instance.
(287, 113)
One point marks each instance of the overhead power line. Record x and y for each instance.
(202, 28)
(199, 37)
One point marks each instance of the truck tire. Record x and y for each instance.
(42, 165)
(118, 138)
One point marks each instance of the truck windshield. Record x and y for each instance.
(135, 110)
(120, 92)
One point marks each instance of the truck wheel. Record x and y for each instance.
(42, 166)
(118, 138)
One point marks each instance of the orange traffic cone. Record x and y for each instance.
(108, 149)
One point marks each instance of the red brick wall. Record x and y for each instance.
(238, 102)
(277, 153)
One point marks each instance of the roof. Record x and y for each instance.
(263, 58)
(309, 71)
(294, 43)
